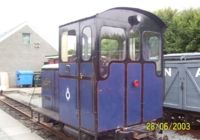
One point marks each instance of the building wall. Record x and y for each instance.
(15, 55)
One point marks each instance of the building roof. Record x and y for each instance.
(12, 31)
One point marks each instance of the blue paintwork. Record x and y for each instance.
(110, 96)
(47, 77)
(111, 99)
(87, 115)
(56, 92)
(24, 78)
(68, 108)
(133, 94)
(50, 89)
(86, 69)
(153, 93)
(68, 69)
(86, 97)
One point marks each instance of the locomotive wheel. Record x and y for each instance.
(46, 119)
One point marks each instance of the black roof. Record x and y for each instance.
(146, 13)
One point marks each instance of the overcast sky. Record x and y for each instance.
(45, 16)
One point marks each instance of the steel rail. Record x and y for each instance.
(45, 126)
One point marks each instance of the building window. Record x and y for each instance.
(36, 45)
(26, 38)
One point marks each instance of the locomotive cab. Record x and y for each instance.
(111, 71)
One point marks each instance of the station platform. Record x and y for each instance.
(11, 129)
(27, 96)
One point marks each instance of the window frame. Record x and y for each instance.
(124, 45)
(159, 60)
(67, 46)
(25, 35)
(129, 48)
(82, 46)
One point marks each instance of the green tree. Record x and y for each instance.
(183, 32)
(112, 46)
(71, 52)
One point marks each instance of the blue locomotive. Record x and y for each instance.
(110, 74)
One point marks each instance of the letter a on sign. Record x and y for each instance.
(198, 73)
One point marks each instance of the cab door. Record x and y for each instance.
(86, 77)
(152, 76)
(134, 80)
(144, 77)
(68, 75)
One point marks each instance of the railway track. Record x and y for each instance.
(24, 114)
(174, 115)
(48, 131)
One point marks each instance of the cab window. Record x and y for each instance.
(112, 47)
(134, 45)
(68, 46)
(152, 48)
(86, 43)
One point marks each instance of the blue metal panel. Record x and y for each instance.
(134, 94)
(86, 69)
(68, 101)
(68, 69)
(56, 92)
(86, 97)
(87, 116)
(153, 93)
(111, 99)
(47, 77)
(50, 98)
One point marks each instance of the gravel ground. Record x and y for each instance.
(181, 135)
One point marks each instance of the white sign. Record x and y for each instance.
(67, 94)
